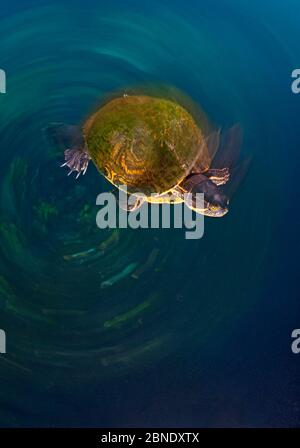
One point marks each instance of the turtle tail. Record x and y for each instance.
(70, 139)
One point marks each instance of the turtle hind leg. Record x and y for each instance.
(131, 206)
(77, 160)
(70, 139)
(126, 202)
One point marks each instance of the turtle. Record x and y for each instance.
(155, 149)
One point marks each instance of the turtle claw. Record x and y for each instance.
(76, 160)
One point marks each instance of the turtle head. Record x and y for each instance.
(215, 201)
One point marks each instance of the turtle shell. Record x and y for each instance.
(148, 144)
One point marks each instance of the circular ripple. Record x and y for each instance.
(80, 303)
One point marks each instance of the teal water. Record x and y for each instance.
(185, 332)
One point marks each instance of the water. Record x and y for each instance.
(187, 332)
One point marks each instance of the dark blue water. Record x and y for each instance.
(193, 333)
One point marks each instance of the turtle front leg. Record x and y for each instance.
(218, 176)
